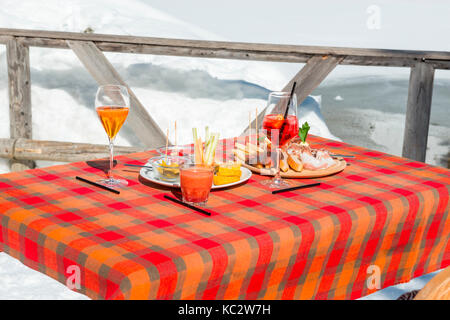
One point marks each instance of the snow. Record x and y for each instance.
(309, 111)
(69, 118)
(18, 282)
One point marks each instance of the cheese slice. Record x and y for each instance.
(219, 180)
(229, 172)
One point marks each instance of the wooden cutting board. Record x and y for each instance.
(339, 166)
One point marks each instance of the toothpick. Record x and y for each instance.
(176, 132)
(256, 126)
(167, 142)
(249, 123)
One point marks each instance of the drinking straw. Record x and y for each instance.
(167, 142)
(256, 127)
(287, 109)
(289, 101)
(296, 188)
(187, 205)
(97, 185)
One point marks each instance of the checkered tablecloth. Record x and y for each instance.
(383, 215)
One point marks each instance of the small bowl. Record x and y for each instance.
(167, 168)
(176, 151)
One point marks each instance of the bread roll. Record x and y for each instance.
(284, 166)
(295, 163)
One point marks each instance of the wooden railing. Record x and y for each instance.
(320, 61)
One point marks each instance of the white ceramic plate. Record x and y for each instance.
(147, 174)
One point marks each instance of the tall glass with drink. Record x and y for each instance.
(280, 124)
(112, 104)
(275, 124)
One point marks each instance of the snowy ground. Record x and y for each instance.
(20, 282)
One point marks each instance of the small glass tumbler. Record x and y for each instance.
(196, 182)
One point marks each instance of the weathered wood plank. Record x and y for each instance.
(27, 149)
(19, 86)
(7, 148)
(142, 124)
(418, 111)
(308, 78)
(293, 57)
(231, 50)
(228, 46)
(311, 75)
(19, 89)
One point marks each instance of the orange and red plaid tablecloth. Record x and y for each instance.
(316, 243)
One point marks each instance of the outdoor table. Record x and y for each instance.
(382, 213)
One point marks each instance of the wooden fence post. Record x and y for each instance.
(19, 84)
(418, 111)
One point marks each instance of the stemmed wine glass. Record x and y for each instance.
(280, 124)
(112, 104)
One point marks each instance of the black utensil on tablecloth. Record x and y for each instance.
(296, 188)
(187, 205)
(98, 185)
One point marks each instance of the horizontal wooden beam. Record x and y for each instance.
(313, 50)
(231, 50)
(27, 149)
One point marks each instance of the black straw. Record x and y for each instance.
(287, 110)
(98, 185)
(187, 205)
(289, 101)
(296, 188)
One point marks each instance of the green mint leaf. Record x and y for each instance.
(303, 131)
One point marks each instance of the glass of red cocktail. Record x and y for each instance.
(280, 124)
